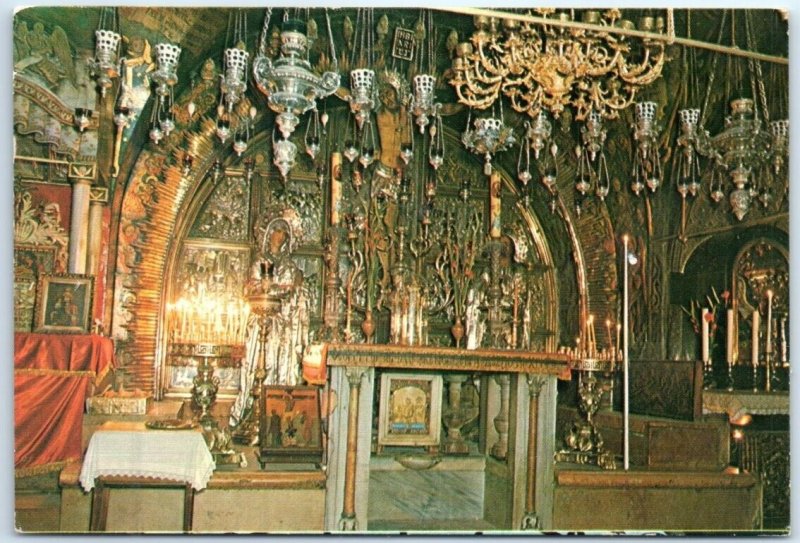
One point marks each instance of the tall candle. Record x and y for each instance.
(608, 332)
(769, 323)
(704, 334)
(625, 384)
(756, 326)
(494, 206)
(336, 186)
(784, 345)
(731, 336)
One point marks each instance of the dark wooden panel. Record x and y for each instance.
(667, 388)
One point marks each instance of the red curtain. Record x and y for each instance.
(51, 376)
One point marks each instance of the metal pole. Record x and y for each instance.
(625, 410)
(728, 50)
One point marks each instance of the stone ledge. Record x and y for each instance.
(654, 479)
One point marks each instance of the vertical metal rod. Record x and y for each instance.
(625, 329)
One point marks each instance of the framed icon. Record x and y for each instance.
(410, 412)
(30, 263)
(64, 304)
(290, 429)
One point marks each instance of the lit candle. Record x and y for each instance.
(756, 326)
(768, 350)
(608, 332)
(704, 334)
(731, 336)
(784, 344)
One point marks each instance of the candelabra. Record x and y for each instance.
(553, 67)
(584, 442)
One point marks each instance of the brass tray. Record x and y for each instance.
(170, 424)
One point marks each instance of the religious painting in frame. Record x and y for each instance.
(290, 430)
(30, 263)
(64, 304)
(410, 411)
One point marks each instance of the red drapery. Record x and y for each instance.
(51, 377)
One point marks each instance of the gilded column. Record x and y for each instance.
(347, 522)
(531, 520)
(81, 176)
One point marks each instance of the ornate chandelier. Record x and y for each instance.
(363, 91)
(742, 150)
(749, 150)
(555, 67)
(162, 121)
(290, 85)
(490, 135)
(646, 158)
(104, 65)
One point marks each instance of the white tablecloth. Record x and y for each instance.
(177, 455)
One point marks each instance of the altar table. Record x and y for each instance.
(52, 373)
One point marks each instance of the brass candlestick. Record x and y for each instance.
(584, 442)
(247, 431)
(204, 396)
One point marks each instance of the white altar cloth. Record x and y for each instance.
(176, 455)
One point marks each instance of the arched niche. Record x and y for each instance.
(159, 228)
(728, 262)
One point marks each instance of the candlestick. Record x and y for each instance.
(784, 344)
(704, 335)
(625, 327)
(731, 336)
(756, 326)
(768, 349)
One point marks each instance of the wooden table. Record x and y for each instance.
(129, 455)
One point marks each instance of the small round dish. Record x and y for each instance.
(170, 424)
(418, 461)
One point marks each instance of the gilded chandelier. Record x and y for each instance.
(555, 67)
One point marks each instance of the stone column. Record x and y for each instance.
(455, 417)
(81, 176)
(98, 198)
(500, 449)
